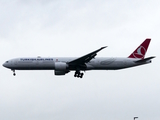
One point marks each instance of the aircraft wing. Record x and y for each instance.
(86, 58)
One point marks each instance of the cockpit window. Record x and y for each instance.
(7, 61)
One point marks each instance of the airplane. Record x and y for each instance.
(63, 65)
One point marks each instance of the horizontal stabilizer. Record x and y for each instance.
(144, 60)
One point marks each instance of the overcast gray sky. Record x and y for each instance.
(73, 28)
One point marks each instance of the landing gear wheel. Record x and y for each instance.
(81, 75)
(14, 74)
(78, 74)
(75, 75)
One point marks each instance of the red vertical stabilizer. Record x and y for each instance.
(141, 50)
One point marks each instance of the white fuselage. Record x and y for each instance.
(99, 63)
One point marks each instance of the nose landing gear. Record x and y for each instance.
(78, 74)
(14, 74)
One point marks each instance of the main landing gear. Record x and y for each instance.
(78, 74)
(14, 74)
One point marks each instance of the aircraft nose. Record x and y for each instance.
(4, 65)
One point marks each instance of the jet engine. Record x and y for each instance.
(59, 72)
(60, 68)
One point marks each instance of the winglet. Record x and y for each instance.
(103, 47)
(141, 50)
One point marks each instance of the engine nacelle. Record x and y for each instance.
(59, 72)
(60, 66)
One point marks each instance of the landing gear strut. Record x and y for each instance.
(14, 74)
(78, 74)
